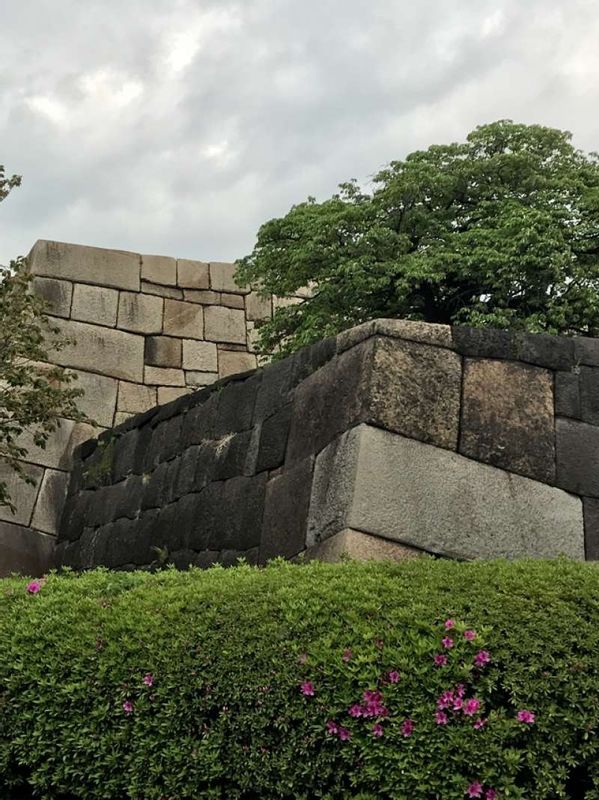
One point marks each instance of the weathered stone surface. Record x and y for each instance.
(22, 494)
(482, 342)
(237, 521)
(358, 546)
(507, 417)
(57, 295)
(58, 450)
(577, 456)
(435, 500)
(232, 362)
(554, 352)
(99, 397)
(415, 391)
(589, 394)
(200, 356)
(172, 292)
(193, 274)
(273, 439)
(413, 331)
(197, 379)
(205, 297)
(135, 398)
(236, 402)
(567, 395)
(164, 376)
(50, 501)
(106, 350)
(159, 269)
(222, 278)
(591, 528)
(353, 336)
(224, 325)
(257, 307)
(586, 351)
(232, 300)
(95, 304)
(163, 351)
(183, 319)
(24, 551)
(116, 268)
(286, 512)
(275, 389)
(140, 313)
(166, 394)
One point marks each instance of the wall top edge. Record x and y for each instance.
(41, 244)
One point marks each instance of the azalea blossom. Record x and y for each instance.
(470, 635)
(480, 723)
(447, 642)
(407, 727)
(148, 679)
(307, 689)
(332, 727)
(440, 660)
(128, 707)
(377, 730)
(526, 716)
(393, 676)
(33, 587)
(449, 624)
(475, 789)
(481, 658)
(491, 794)
(471, 706)
(355, 710)
(344, 734)
(441, 718)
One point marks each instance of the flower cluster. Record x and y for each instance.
(454, 701)
(35, 587)
(476, 789)
(128, 704)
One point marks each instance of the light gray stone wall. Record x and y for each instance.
(146, 329)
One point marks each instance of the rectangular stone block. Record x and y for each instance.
(56, 294)
(163, 351)
(237, 523)
(56, 453)
(22, 494)
(567, 395)
(435, 500)
(577, 456)
(115, 268)
(273, 440)
(193, 274)
(183, 319)
(224, 325)
(50, 501)
(99, 397)
(95, 304)
(159, 269)
(589, 394)
(196, 379)
(222, 278)
(232, 300)
(200, 356)
(358, 546)
(168, 393)
(141, 313)
(105, 350)
(158, 376)
(24, 551)
(172, 292)
(135, 398)
(232, 362)
(286, 512)
(508, 417)
(257, 307)
(206, 298)
(591, 528)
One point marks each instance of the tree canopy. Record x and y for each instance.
(34, 395)
(501, 230)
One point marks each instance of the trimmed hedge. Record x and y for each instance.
(303, 681)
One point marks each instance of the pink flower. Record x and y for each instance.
(457, 704)
(482, 658)
(355, 710)
(373, 704)
(347, 655)
(475, 790)
(332, 727)
(33, 587)
(343, 734)
(471, 706)
(447, 642)
(480, 723)
(445, 700)
(449, 624)
(441, 718)
(526, 716)
(377, 730)
(470, 635)
(393, 676)
(491, 794)
(307, 689)
(407, 727)
(148, 679)
(440, 660)
(460, 690)
(128, 707)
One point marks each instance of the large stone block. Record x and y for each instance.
(166, 394)
(56, 294)
(258, 307)
(232, 362)
(193, 274)
(95, 304)
(238, 521)
(591, 528)
(140, 313)
(105, 350)
(171, 292)
(58, 450)
(183, 319)
(22, 494)
(273, 440)
(358, 546)
(224, 325)
(577, 457)
(163, 351)
(414, 331)
(286, 512)
(164, 376)
(199, 379)
(159, 269)
(567, 395)
(222, 278)
(116, 268)
(24, 551)
(50, 501)
(508, 417)
(589, 394)
(200, 356)
(135, 398)
(99, 397)
(434, 500)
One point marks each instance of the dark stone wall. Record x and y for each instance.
(227, 472)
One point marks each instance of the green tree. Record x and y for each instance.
(34, 395)
(501, 230)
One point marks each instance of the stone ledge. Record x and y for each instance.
(359, 546)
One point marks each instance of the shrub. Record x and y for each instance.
(303, 681)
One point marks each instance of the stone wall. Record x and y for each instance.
(146, 330)
(392, 439)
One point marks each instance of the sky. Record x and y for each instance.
(177, 127)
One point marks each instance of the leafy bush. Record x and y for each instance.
(428, 679)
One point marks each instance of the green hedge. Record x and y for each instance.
(314, 681)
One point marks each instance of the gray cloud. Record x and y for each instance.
(177, 127)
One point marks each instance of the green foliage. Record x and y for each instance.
(501, 230)
(227, 652)
(34, 395)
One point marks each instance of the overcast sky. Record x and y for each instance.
(176, 127)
